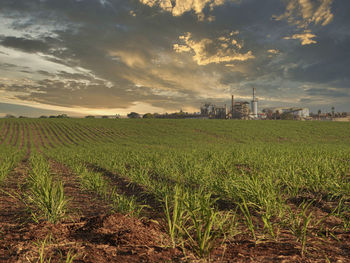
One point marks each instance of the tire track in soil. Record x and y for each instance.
(6, 132)
(65, 134)
(13, 214)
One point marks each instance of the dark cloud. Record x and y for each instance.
(24, 44)
(121, 52)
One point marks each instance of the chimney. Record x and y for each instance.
(232, 106)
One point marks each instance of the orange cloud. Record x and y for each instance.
(207, 51)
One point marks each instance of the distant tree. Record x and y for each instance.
(333, 111)
(52, 116)
(117, 116)
(319, 114)
(43, 117)
(90, 117)
(133, 115)
(148, 116)
(22, 117)
(62, 116)
(10, 116)
(105, 117)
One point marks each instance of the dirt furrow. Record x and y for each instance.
(13, 213)
(16, 136)
(7, 128)
(65, 134)
(51, 139)
(38, 131)
(73, 130)
(22, 135)
(82, 203)
(86, 134)
(131, 189)
(11, 133)
(43, 136)
(35, 138)
(96, 134)
(57, 137)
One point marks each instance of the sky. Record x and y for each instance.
(106, 57)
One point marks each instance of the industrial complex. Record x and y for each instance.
(249, 111)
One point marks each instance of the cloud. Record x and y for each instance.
(179, 7)
(207, 51)
(23, 44)
(305, 38)
(305, 12)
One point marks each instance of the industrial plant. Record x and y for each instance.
(244, 110)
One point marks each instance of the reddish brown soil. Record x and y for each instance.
(78, 204)
(89, 232)
(13, 215)
(131, 189)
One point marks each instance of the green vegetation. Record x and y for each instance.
(212, 177)
(45, 198)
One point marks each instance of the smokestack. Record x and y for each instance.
(232, 106)
(254, 104)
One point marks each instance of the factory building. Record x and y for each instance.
(213, 112)
(241, 110)
(295, 111)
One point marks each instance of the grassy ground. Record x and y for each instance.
(213, 186)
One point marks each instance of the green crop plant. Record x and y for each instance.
(174, 210)
(270, 165)
(248, 217)
(299, 222)
(45, 196)
(204, 225)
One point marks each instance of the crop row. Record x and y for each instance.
(212, 184)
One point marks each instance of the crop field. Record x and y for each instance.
(139, 190)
